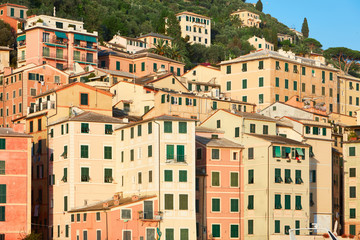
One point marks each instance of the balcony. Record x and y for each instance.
(88, 47)
(21, 44)
(56, 42)
(176, 159)
(151, 216)
(53, 56)
(85, 60)
(21, 58)
(41, 106)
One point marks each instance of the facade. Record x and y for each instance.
(195, 27)
(19, 86)
(59, 42)
(157, 157)
(349, 88)
(151, 39)
(202, 78)
(4, 57)
(265, 77)
(133, 217)
(128, 44)
(248, 19)
(140, 64)
(13, 14)
(283, 37)
(260, 43)
(219, 202)
(15, 183)
(276, 174)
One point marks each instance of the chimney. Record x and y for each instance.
(105, 205)
(135, 198)
(116, 197)
(116, 203)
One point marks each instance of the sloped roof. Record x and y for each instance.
(9, 132)
(88, 116)
(151, 34)
(207, 130)
(278, 139)
(218, 142)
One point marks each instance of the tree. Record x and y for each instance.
(259, 6)
(31, 236)
(305, 28)
(160, 48)
(343, 58)
(313, 44)
(301, 50)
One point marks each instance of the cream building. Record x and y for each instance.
(248, 19)
(265, 77)
(283, 37)
(276, 174)
(260, 43)
(157, 156)
(203, 79)
(4, 57)
(195, 26)
(349, 92)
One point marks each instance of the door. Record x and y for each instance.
(150, 234)
(148, 210)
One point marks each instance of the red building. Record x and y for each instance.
(13, 14)
(15, 183)
(19, 86)
(128, 218)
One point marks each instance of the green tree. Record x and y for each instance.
(160, 48)
(301, 50)
(343, 58)
(31, 236)
(305, 28)
(259, 6)
(313, 44)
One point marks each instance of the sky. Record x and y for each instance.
(334, 23)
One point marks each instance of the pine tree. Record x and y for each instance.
(259, 6)
(305, 28)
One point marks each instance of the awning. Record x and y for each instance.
(21, 38)
(300, 151)
(60, 35)
(288, 150)
(90, 39)
(79, 37)
(277, 151)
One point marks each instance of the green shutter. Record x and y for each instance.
(234, 231)
(261, 82)
(278, 201)
(182, 175)
(180, 153)
(215, 205)
(183, 202)
(352, 192)
(250, 226)
(244, 83)
(132, 155)
(182, 127)
(237, 132)
(251, 176)
(84, 151)
(277, 82)
(276, 152)
(2, 193)
(2, 213)
(234, 179)
(139, 130)
(215, 230)
(352, 229)
(132, 132)
(251, 202)
(277, 226)
(117, 65)
(215, 154)
(2, 167)
(228, 86)
(2, 143)
(234, 205)
(65, 203)
(287, 201)
(352, 213)
(169, 201)
(215, 179)
(107, 152)
(163, 98)
(167, 127)
(149, 150)
(298, 203)
(143, 66)
(351, 151)
(169, 151)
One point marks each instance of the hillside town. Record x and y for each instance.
(110, 140)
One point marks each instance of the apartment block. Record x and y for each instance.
(151, 39)
(260, 43)
(139, 64)
(19, 86)
(60, 42)
(265, 77)
(157, 157)
(13, 14)
(285, 37)
(248, 18)
(276, 174)
(219, 186)
(203, 78)
(349, 98)
(15, 183)
(134, 217)
(194, 27)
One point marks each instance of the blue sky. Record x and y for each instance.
(332, 22)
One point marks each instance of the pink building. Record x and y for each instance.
(13, 14)
(129, 218)
(15, 183)
(139, 64)
(19, 86)
(57, 41)
(219, 191)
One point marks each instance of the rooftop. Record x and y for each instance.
(9, 132)
(207, 130)
(218, 142)
(88, 116)
(278, 139)
(151, 34)
(192, 14)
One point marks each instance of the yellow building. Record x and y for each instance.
(349, 92)
(248, 19)
(157, 156)
(203, 79)
(260, 43)
(276, 174)
(195, 26)
(265, 77)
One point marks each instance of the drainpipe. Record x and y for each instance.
(159, 158)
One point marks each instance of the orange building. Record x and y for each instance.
(219, 189)
(13, 14)
(60, 42)
(133, 217)
(15, 183)
(140, 64)
(18, 88)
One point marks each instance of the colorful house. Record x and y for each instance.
(13, 14)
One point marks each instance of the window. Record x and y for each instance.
(287, 202)
(84, 149)
(250, 226)
(215, 205)
(234, 231)
(252, 128)
(149, 150)
(352, 213)
(261, 81)
(12, 12)
(182, 175)
(295, 85)
(288, 176)
(84, 99)
(261, 65)
(313, 176)
(125, 213)
(250, 202)
(170, 152)
(139, 132)
(149, 128)
(298, 179)
(277, 65)
(167, 127)
(2, 193)
(237, 132)
(234, 179)
(182, 127)
(215, 230)
(277, 82)
(244, 83)
(64, 154)
(303, 87)
(250, 153)
(313, 89)
(265, 129)
(214, 106)
(150, 176)
(286, 84)
(169, 201)
(244, 67)
(215, 179)
(108, 129)
(215, 154)
(228, 85)
(303, 71)
(98, 216)
(298, 203)
(278, 178)
(234, 205)
(250, 176)
(261, 98)
(352, 151)
(2, 167)
(278, 201)
(286, 229)
(65, 203)
(228, 69)
(352, 192)
(218, 123)
(352, 172)
(107, 152)
(352, 229)
(286, 67)
(108, 178)
(168, 175)
(183, 202)
(98, 234)
(277, 226)
(85, 177)
(276, 152)
(2, 143)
